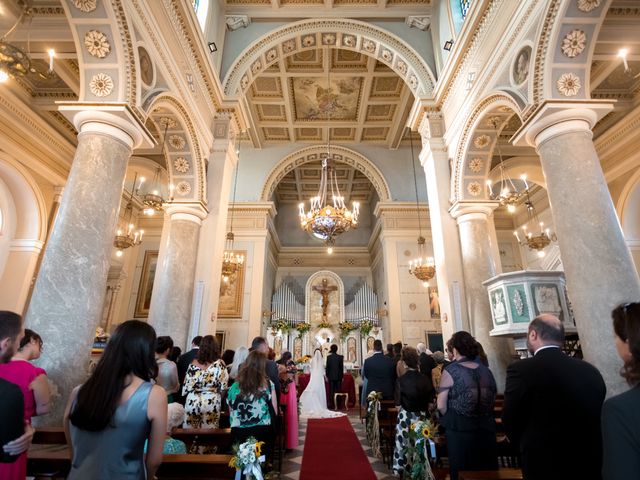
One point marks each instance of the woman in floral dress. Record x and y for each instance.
(206, 378)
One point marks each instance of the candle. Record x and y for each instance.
(52, 54)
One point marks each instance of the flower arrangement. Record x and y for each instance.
(280, 325)
(247, 459)
(304, 359)
(303, 327)
(372, 426)
(346, 328)
(366, 326)
(420, 433)
(324, 324)
(374, 396)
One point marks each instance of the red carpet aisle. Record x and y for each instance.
(332, 451)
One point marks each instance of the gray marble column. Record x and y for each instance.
(172, 296)
(598, 266)
(66, 305)
(479, 265)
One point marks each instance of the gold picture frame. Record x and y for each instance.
(145, 288)
(231, 292)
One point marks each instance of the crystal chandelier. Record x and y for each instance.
(14, 61)
(126, 236)
(232, 261)
(535, 241)
(328, 215)
(422, 267)
(508, 194)
(152, 198)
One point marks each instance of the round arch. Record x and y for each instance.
(627, 205)
(317, 277)
(182, 151)
(342, 33)
(340, 154)
(472, 160)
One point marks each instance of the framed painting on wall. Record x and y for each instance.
(230, 303)
(434, 302)
(143, 300)
(220, 337)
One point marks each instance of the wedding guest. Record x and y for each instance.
(620, 414)
(175, 354)
(287, 372)
(389, 353)
(380, 373)
(15, 434)
(167, 370)
(175, 418)
(260, 344)
(416, 392)
(227, 357)
(436, 372)
(425, 361)
(206, 378)
(183, 364)
(103, 419)
(238, 358)
(32, 381)
(466, 397)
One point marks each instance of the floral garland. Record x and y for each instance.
(419, 433)
(366, 326)
(303, 327)
(372, 425)
(346, 328)
(247, 459)
(280, 325)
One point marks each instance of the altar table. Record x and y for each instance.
(348, 386)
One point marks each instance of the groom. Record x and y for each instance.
(335, 367)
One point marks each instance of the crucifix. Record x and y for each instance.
(324, 289)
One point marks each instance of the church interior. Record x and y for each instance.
(319, 172)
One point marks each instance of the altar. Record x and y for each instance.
(348, 386)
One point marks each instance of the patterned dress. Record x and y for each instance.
(203, 389)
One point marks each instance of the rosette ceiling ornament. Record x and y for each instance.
(328, 215)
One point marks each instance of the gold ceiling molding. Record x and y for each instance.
(335, 33)
(313, 153)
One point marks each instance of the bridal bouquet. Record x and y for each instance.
(247, 459)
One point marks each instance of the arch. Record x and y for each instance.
(475, 148)
(625, 207)
(185, 162)
(341, 155)
(515, 166)
(342, 33)
(318, 277)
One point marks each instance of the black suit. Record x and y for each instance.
(380, 372)
(11, 417)
(552, 406)
(272, 373)
(335, 371)
(621, 436)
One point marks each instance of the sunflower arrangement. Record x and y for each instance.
(324, 324)
(346, 328)
(303, 359)
(247, 459)
(372, 425)
(418, 466)
(303, 327)
(280, 325)
(366, 326)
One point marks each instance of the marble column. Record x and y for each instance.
(66, 305)
(172, 295)
(444, 231)
(480, 263)
(598, 266)
(394, 307)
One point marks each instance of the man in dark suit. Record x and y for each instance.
(380, 372)
(261, 345)
(335, 371)
(425, 361)
(183, 363)
(552, 406)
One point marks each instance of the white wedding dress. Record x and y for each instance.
(313, 401)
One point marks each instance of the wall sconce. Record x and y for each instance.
(212, 47)
(448, 45)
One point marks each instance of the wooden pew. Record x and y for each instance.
(185, 467)
(502, 474)
(49, 435)
(209, 437)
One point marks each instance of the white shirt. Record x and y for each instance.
(546, 346)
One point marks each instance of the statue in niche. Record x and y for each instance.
(324, 289)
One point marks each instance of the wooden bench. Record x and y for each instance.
(204, 437)
(49, 435)
(184, 467)
(502, 474)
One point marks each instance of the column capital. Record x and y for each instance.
(192, 212)
(117, 121)
(557, 118)
(469, 210)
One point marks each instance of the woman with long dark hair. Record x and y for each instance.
(110, 416)
(287, 372)
(620, 419)
(206, 378)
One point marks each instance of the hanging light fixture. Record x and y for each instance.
(14, 61)
(152, 197)
(422, 267)
(126, 236)
(538, 241)
(328, 215)
(508, 194)
(232, 261)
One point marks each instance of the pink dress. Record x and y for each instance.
(22, 373)
(290, 399)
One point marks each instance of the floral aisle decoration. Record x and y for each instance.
(247, 459)
(346, 328)
(365, 327)
(421, 436)
(303, 327)
(372, 425)
(279, 326)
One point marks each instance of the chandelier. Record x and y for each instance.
(508, 194)
(125, 235)
(151, 198)
(535, 241)
(422, 267)
(14, 61)
(232, 261)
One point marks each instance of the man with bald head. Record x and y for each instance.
(552, 406)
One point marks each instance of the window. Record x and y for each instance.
(464, 7)
(201, 8)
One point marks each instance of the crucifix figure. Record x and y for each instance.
(324, 289)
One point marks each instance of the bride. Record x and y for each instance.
(313, 401)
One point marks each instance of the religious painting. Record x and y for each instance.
(370, 341)
(277, 346)
(546, 299)
(146, 67)
(297, 348)
(352, 356)
(434, 302)
(145, 288)
(518, 304)
(315, 99)
(231, 292)
(520, 70)
(498, 307)
(220, 338)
